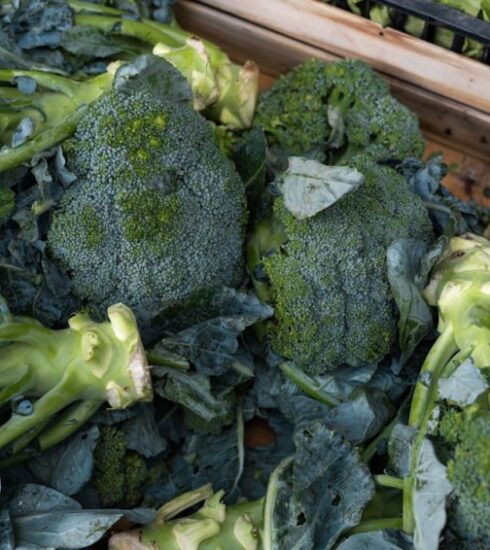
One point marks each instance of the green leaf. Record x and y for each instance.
(404, 259)
(429, 498)
(68, 466)
(89, 41)
(308, 186)
(318, 495)
(464, 385)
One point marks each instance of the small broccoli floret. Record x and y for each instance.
(158, 214)
(7, 204)
(326, 275)
(119, 475)
(342, 107)
(469, 472)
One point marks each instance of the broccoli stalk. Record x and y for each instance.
(85, 365)
(54, 112)
(227, 89)
(460, 288)
(214, 525)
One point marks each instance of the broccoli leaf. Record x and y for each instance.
(309, 186)
(6, 531)
(429, 498)
(68, 466)
(464, 385)
(191, 390)
(212, 346)
(377, 540)
(141, 432)
(45, 518)
(406, 259)
(320, 493)
(89, 41)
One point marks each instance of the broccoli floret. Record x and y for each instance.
(158, 213)
(119, 475)
(341, 107)
(326, 275)
(7, 204)
(469, 473)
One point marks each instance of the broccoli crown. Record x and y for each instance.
(469, 472)
(7, 204)
(157, 214)
(327, 281)
(343, 107)
(118, 475)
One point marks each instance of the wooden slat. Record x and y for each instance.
(390, 51)
(276, 54)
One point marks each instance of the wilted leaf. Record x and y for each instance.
(68, 466)
(308, 186)
(429, 498)
(320, 493)
(464, 385)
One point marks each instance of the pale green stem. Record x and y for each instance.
(68, 423)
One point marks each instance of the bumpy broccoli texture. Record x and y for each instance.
(326, 275)
(119, 474)
(468, 432)
(157, 214)
(341, 107)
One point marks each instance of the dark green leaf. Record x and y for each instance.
(89, 41)
(68, 466)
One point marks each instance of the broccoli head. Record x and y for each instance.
(469, 473)
(119, 474)
(326, 275)
(157, 215)
(7, 204)
(340, 108)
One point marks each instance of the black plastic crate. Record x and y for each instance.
(434, 16)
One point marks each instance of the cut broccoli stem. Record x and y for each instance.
(42, 410)
(377, 525)
(15, 386)
(86, 363)
(389, 481)
(128, 27)
(166, 358)
(309, 385)
(441, 352)
(183, 502)
(68, 423)
(10, 157)
(55, 112)
(89, 7)
(423, 403)
(22, 442)
(372, 448)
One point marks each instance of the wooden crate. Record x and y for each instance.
(449, 92)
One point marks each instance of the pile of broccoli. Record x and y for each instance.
(143, 186)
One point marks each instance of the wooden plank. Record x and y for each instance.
(276, 54)
(390, 51)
